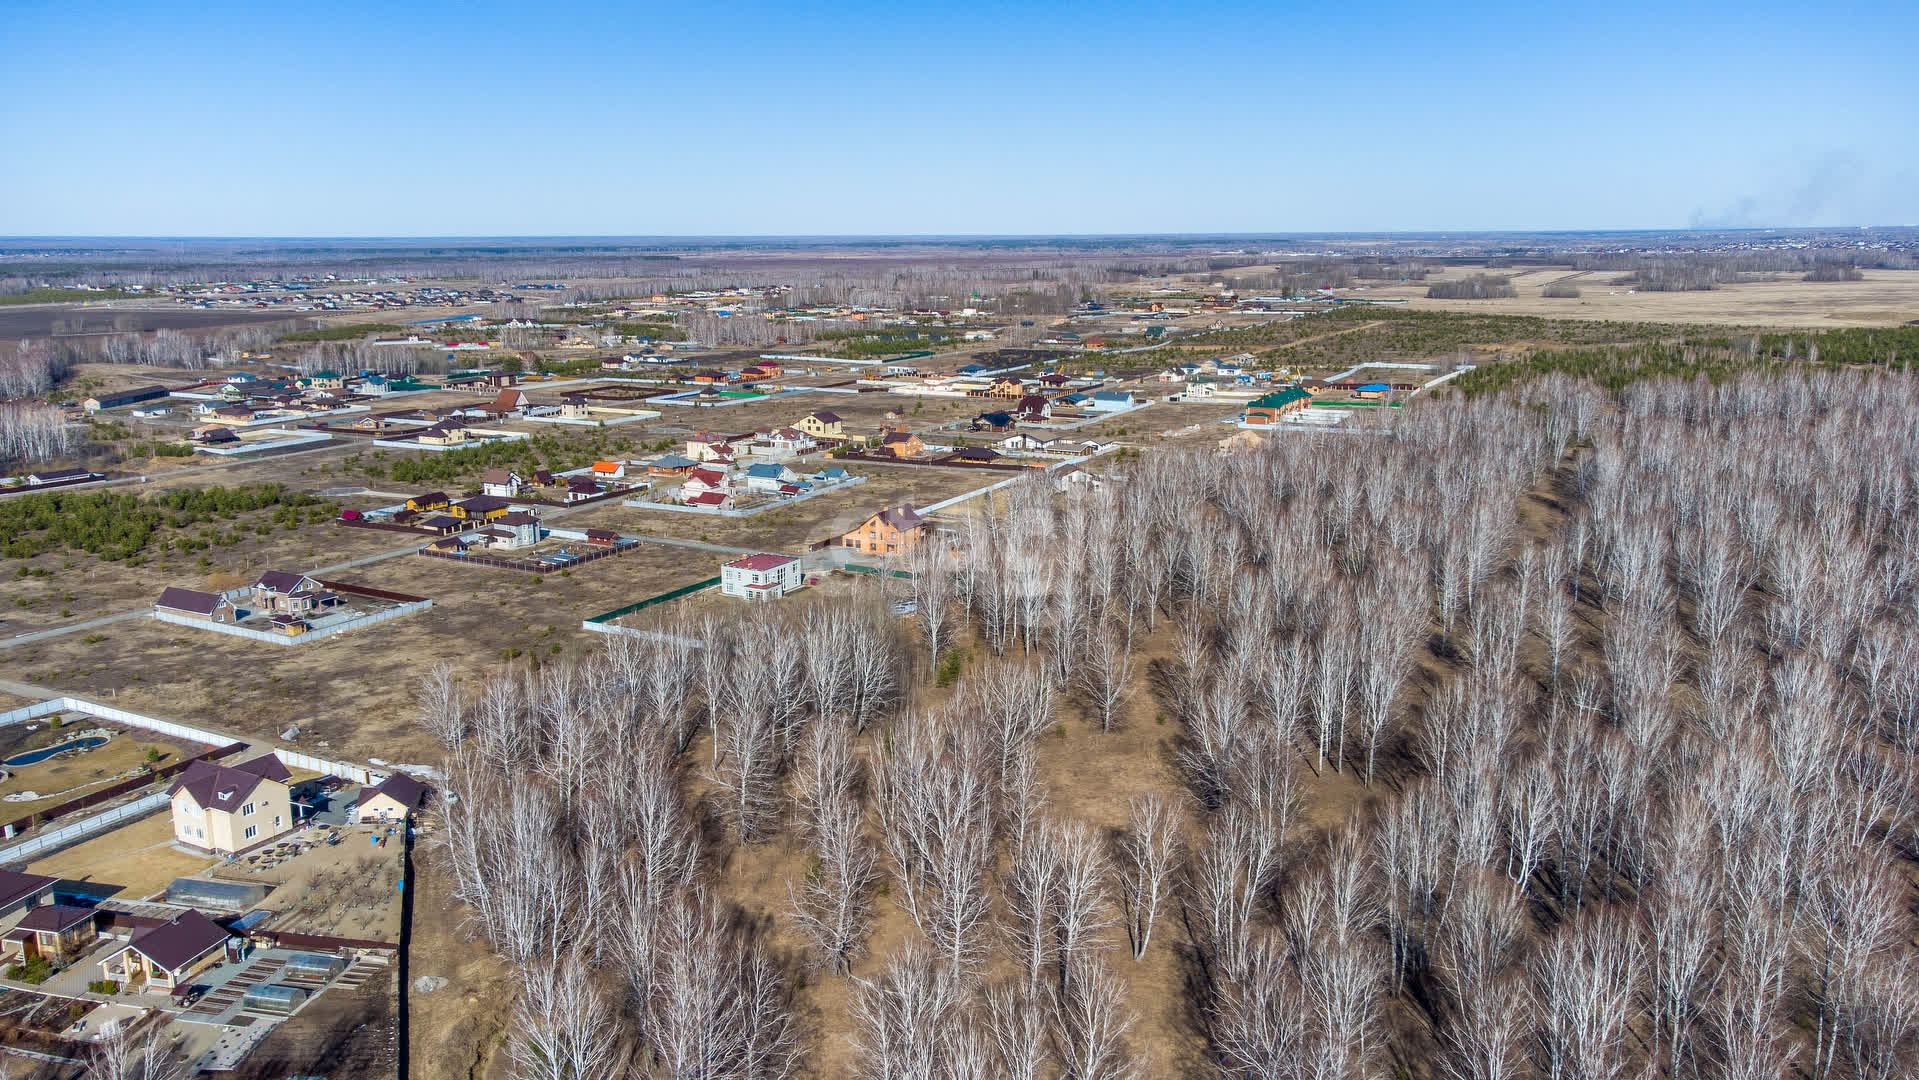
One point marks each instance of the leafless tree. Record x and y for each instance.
(1149, 851)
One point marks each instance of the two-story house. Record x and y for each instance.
(888, 532)
(226, 809)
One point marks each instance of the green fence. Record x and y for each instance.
(856, 568)
(609, 616)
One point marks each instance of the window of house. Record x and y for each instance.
(276, 821)
(247, 810)
(251, 829)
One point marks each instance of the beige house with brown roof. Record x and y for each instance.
(227, 809)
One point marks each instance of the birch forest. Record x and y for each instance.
(1553, 734)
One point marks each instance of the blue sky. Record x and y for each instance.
(443, 119)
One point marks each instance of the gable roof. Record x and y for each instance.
(16, 886)
(674, 461)
(429, 497)
(1279, 398)
(200, 603)
(402, 788)
(825, 417)
(480, 504)
(901, 517)
(176, 944)
(766, 471)
(279, 581)
(226, 787)
(709, 477)
(518, 517)
(498, 476)
(55, 918)
(893, 437)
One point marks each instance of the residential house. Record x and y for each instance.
(708, 446)
(292, 594)
(769, 476)
(784, 442)
(392, 800)
(710, 377)
(702, 482)
(19, 892)
(901, 443)
(59, 932)
(581, 488)
(1271, 407)
(1371, 391)
(194, 605)
(124, 397)
(1009, 388)
(822, 425)
(505, 483)
(1026, 443)
(448, 432)
(1073, 401)
(609, 470)
(145, 412)
(432, 500)
(1033, 407)
(993, 421)
(323, 380)
(672, 465)
(832, 474)
(515, 530)
(507, 403)
(213, 435)
(1111, 401)
(227, 809)
(976, 455)
(892, 530)
(756, 373)
(760, 577)
(500, 379)
(711, 500)
(480, 508)
(167, 956)
(1052, 380)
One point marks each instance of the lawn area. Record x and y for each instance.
(59, 779)
(139, 857)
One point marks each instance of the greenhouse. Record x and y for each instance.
(314, 965)
(214, 895)
(274, 999)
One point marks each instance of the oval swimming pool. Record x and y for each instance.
(45, 752)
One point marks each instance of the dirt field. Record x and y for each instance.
(345, 890)
(1884, 298)
(342, 1034)
(138, 857)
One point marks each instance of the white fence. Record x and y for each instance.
(294, 639)
(49, 839)
(650, 635)
(345, 770)
(120, 716)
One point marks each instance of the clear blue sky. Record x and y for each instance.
(443, 119)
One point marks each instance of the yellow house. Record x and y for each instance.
(228, 809)
(439, 435)
(432, 500)
(56, 931)
(168, 955)
(481, 508)
(822, 425)
(392, 800)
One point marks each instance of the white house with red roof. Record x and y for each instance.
(760, 577)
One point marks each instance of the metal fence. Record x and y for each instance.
(120, 716)
(294, 639)
(594, 622)
(345, 770)
(66, 834)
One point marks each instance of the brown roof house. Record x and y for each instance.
(167, 956)
(392, 800)
(58, 932)
(193, 604)
(888, 532)
(227, 809)
(902, 444)
(19, 892)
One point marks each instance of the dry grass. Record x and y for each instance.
(139, 856)
(346, 890)
(1884, 298)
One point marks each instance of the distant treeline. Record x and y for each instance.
(1477, 287)
(1894, 348)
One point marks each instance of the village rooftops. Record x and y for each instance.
(176, 944)
(188, 600)
(761, 562)
(226, 787)
(16, 887)
(518, 517)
